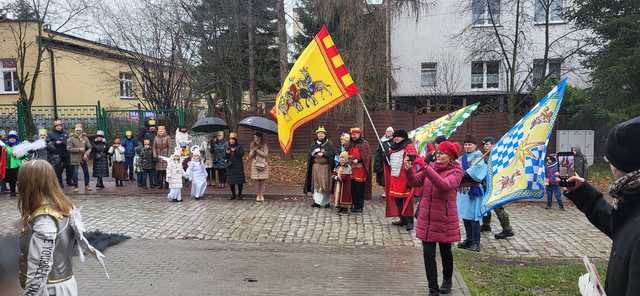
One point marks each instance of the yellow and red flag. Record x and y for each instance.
(317, 82)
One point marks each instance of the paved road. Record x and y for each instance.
(539, 232)
(197, 267)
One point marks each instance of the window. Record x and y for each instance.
(428, 74)
(555, 7)
(485, 74)
(126, 86)
(9, 77)
(539, 74)
(484, 10)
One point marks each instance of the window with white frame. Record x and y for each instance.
(553, 70)
(428, 73)
(9, 77)
(484, 11)
(555, 8)
(485, 74)
(126, 86)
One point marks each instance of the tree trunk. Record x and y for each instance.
(545, 59)
(282, 41)
(513, 91)
(387, 36)
(252, 63)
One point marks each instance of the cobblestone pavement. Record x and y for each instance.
(539, 232)
(197, 267)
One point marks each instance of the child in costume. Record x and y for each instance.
(117, 152)
(52, 233)
(137, 165)
(197, 174)
(175, 173)
(13, 161)
(342, 178)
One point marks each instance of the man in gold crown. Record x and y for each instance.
(319, 169)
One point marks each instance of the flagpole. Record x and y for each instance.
(366, 111)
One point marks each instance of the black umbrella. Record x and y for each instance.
(260, 124)
(209, 125)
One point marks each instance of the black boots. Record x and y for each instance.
(485, 228)
(434, 292)
(465, 244)
(504, 234)
(445, 288)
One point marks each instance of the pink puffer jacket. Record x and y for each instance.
(437, 212)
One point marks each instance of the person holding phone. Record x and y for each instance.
(397, 190)
(621, 219)
(437, 213)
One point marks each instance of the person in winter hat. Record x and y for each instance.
(175, 174)
(100, 155)
(118, 162)
(13, 162)
(197, 174)
(619, 220)
(79, 147)
(437, 222)
(553, 188)
(470, 193)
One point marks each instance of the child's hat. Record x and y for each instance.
(100, 133)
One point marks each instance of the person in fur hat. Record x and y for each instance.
(397, 189)
(175, 173)
(197, 174)
(470, 193)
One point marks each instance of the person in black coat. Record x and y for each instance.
(620, 221)
(58, 154)
(100, 156)
(381, 158)
(235, 171)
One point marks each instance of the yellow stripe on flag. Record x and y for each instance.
(337, 61)
(328, 42)
(347, 80)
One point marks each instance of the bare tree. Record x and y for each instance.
(252, 56)
(283, 47)
(149, 38)
(41, 23)
(505, 33)
(448, 77)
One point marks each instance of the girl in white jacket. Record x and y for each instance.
(175, 173)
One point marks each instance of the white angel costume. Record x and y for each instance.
(197, 173)
(175, 173)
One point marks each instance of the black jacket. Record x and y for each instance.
(622, 225)
(235, 171)
(380, 160)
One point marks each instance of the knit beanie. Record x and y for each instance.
(451, 149)
(622, 147)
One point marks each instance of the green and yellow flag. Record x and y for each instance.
(317, 82)
(443, 126)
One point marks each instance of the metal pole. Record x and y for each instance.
(366, 111)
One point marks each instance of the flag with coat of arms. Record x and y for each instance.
(516, 166)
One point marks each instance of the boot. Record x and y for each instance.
(485, 228)
(465, 244)
(475, 247)
(504, 234)
(434, 292)
(445, 288)
(399, 223)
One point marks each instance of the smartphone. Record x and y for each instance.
(566, 168)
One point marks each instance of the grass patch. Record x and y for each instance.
(600, 176)
(490, 275)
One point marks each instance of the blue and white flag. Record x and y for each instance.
(516, 167)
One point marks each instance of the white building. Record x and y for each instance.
(451, 50)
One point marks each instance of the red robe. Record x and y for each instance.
(361, 172)
(398, 187)
(3, 163)
(342, 190)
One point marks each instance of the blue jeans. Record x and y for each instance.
(148, 175)
(554, 190)
(128, 160)
(85, 172)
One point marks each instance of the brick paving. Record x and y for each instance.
(197, 267)
(539, 232)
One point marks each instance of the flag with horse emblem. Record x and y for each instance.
(317, 82)
(516, 166)
(443, 126)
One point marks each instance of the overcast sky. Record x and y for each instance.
(93, 31)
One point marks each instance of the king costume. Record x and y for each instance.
(197, 174)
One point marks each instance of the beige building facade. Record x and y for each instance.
(74, 71)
